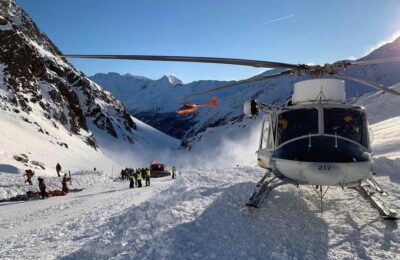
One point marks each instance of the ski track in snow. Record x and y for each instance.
(201, 215)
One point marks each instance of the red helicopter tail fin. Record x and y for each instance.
(213, 102)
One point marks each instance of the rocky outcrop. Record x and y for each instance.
(34, 79)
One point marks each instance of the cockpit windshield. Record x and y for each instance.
(296, 123)
(347, 123)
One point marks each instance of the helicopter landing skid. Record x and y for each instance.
(369, 190)
(262, 190)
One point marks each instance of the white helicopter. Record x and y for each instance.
(316, 139)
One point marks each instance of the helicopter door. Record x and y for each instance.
(267, 136)
(266, 142)
(270, 135)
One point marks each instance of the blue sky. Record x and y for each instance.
(288, 31)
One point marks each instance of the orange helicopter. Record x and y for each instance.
(190, 108)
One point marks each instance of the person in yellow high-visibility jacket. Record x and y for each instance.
(148, 176)
(173, 172)
(131, 180)
(139, 179)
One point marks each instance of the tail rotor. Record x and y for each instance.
(213, 103)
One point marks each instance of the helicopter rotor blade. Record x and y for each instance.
(347, 63)
(287, 72)
(368, 83)
(376, 61)
(243, 62)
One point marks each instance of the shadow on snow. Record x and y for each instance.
(224, 230)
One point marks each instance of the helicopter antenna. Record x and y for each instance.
(321, 96)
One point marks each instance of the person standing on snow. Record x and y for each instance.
(148, 176)
(137, 172)
(173, 172)
(122, 174)
(64, 183)
(131, 180)
(58, 169)
(139, 179)
(29, 174)
(42, 187)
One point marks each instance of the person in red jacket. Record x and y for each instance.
(58, 169)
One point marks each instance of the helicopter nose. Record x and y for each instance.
(322, 148)
(322, 160)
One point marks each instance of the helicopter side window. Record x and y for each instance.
(296, 123)
(267, 134)
(268, 137)
(347, 123)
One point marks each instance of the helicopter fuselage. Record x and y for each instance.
(318, 143)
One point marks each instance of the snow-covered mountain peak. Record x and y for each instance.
(391, 49)
(116, 76)
(128, 75)
(171, 80)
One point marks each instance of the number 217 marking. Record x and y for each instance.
(324, 167)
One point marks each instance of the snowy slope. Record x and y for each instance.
(18, 138)
(384, 117)
(24, 139)
(386, 138)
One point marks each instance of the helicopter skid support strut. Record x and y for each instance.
(369, 189)
(262, 190)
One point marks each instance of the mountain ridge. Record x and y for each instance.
(37, 80)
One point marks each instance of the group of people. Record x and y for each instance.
(136, 176)
(42, 185)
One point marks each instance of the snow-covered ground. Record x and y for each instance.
(60, 225)
(201, 215)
